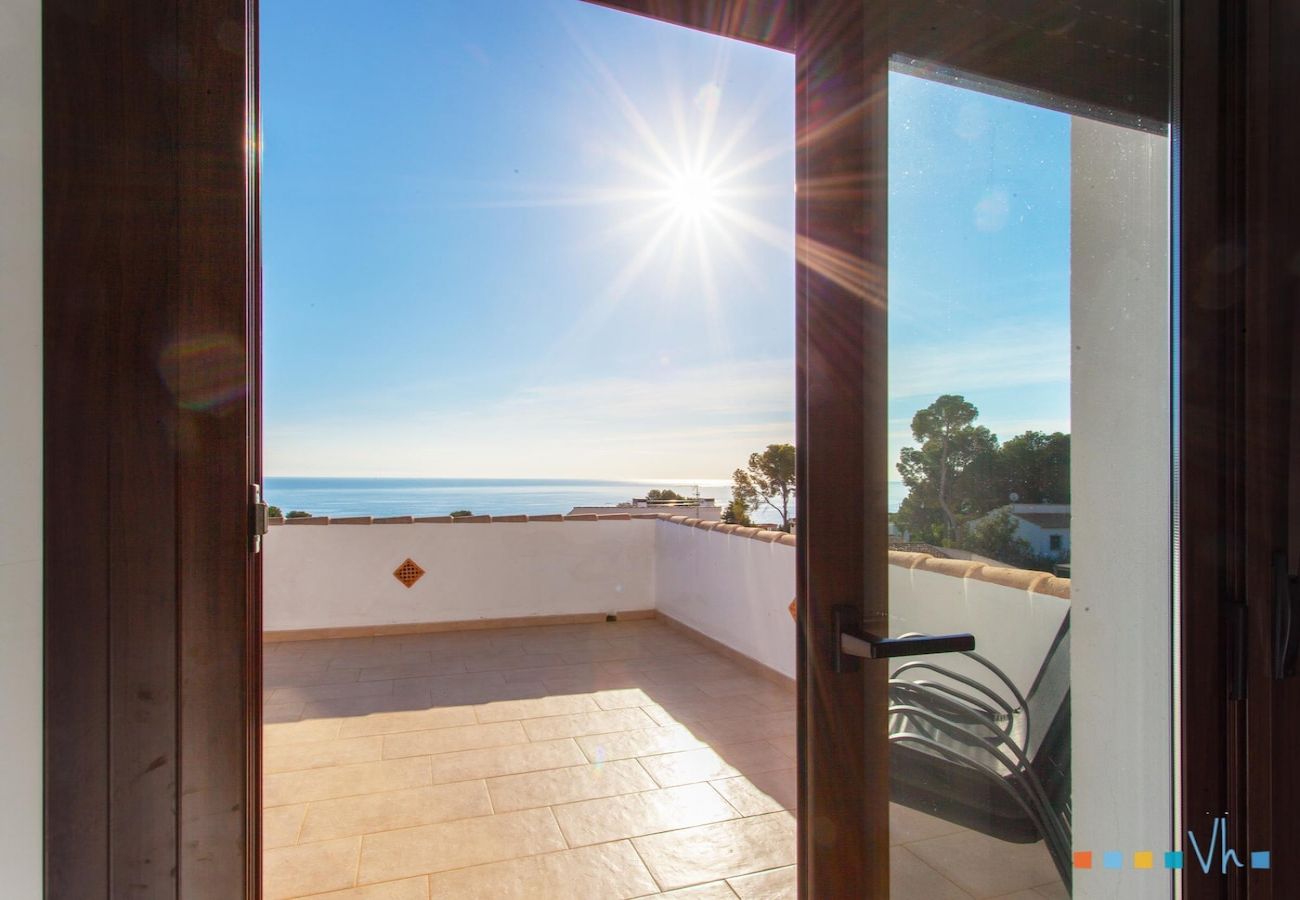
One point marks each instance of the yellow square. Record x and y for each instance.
(1143, 859)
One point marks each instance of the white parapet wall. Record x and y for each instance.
(733, 590)
(341, 576)
(738, 592)
(1015, 614)
(732, 585)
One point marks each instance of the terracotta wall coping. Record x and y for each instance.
(1020, 579)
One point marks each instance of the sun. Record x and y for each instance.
(680, 176)
(692, 195)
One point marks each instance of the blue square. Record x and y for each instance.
(1174, 859)
(1112, 859)
(1259, 859)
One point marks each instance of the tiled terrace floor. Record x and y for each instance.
(587, 761)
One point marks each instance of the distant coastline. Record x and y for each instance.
(490, 496)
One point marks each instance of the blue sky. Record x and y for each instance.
(979, 258)
(545, 239)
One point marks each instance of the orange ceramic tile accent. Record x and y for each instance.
(408, 573)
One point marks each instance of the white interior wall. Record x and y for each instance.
(20, 447)
(1121, 663)
(335, 576)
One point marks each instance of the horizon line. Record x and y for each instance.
(615, 479)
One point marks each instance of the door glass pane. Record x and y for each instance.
(1029, 446)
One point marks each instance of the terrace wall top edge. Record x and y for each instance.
(1022, 579)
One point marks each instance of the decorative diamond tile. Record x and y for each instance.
(408, 573)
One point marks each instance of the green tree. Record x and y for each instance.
(460, 513)
(275, 512)
(994, 536)
(297, 514)
(1035, 466)
(768, 480)
(959, 473)
(663, 494)
(735, 513)
(949, 474)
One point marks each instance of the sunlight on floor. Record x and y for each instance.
(584, 761)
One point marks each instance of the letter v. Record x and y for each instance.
(1206, 859)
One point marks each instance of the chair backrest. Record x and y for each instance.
(1049, 709)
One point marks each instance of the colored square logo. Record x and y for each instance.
(1112, 859)
(1083, 859)
(1174, 859)
(1259, 859)
(1144, 859)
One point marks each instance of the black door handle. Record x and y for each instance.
(852, 643)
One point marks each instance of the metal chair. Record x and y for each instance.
(994, 762)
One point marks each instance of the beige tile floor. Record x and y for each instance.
(587, 761)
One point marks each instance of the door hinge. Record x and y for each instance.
(258, 512)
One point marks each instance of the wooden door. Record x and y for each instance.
(152, 635)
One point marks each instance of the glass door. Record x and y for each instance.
(987, 530)
(1029, 438)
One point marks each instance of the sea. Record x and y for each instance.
(482, 496)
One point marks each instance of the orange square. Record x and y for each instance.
(1083, 859)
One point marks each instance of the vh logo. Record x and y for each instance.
(1217, 851)
(1259, 859)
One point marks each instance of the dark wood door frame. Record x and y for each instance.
(1239, 244)
(151, 316)
(152, 683)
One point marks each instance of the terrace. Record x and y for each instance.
(636, 738)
